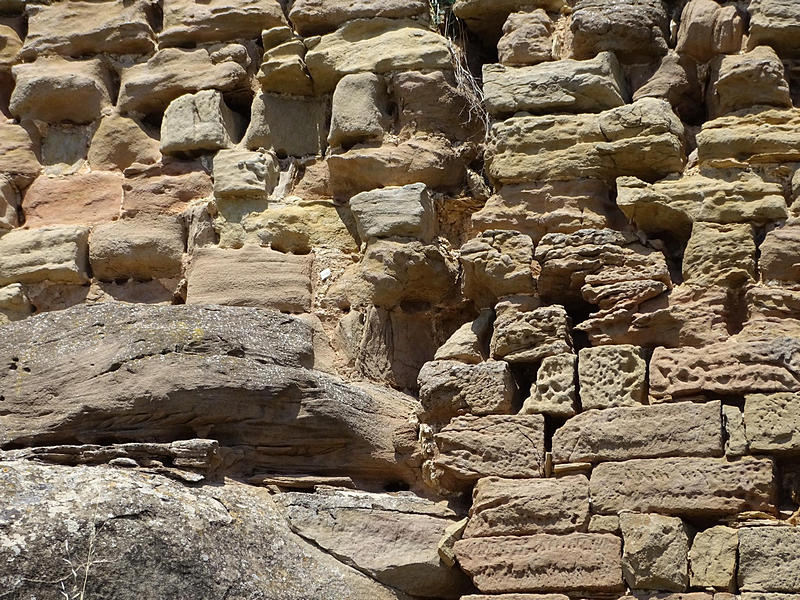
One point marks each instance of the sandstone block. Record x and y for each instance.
(655, 552)
(528, 506)
(681, 429)
(199, 122)
(684, 486)
(149, 87)
(17, 154)
(448, 388)
(166, 188)
(9, 204)
(516, 597)
(706, 29)
(405, 211)
(529, 336)
(14, 303)
(720, 255)
(563, 86)
(712, 559)
(554, 392)
(424, 159)
(604, 524)
(119, 142)
(735, 438)
(55, 89)
(251, 276)
(672, 205)
(486, 17)
(535, 563)
(56, 254)
(778, 255)
(312, 17)
(391, 537)
(676, 81)
(510, 446)
(769, 560)
(772, 422)
(741, 81)
(527, 39)
(539, 208)
(496, 264)
(470, 342)
(145, 247)
(631, 29)
(359, 111)
(288, 126)
(283, 66)
(378, 45)
(775, 23)
(191, 22)
(243, 174)
(81, 199)
(79, 29)
(730, 367)
(612, 376)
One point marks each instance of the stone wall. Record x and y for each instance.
(316, 299)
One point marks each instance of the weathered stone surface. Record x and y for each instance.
(470, 447)
(778, 254)
(167, 188)
(14, 304)
(676, 81)
(288, 126)
(554, 392)
(672, 205)
(486, 17)
(134, 525)
(631, 28)
(655, 552)
(741, 81)
(730, 367)
(119, 142)
(774, 23)
(706, 29)
(516, 597)
(251, 276)
(391, 537)
(79, 29)
(612, 376)
(57, 254)
(768, 559)
(405, 211)
(448, 388)
(720, 255)
(359, 110)
(18, 154)
(644, 139)
(378, 45)
(424, 159)
(81, 199)
(145, 247)
(10, 45)
(735, 438)
(56, 89)
(528, 506)
(529, 336)
(527, 39)
(150, 86)
(321, 16)
(536, 209)
(712, 559)
(9, 204)
(535, 563)
(756, 137)
(681, 429)
(191, 22)
(497, 263)
(470, 342)
(684, 486)
(283, 66)
(772, 422)
(199, 122)
(563, 86)
(604, 524)
(141, 375)
(243, 174)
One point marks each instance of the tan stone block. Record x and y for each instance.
(681, 429)
(655, 552)
(684, 486)
(612, 376)
(719, 255)
(470, 342)
(772, 423)
(554, 393)
(769, 559)
(778, 255)
(190, 22)
(288, 126)
(82, 199)
(706, 28)
(527, 38)
(167, 188)
(497, 263)
(56, 254)
(536, 563)
(528, 506)
(195, 123)
(311, 17)
(119, 142)
(712, 559)
(529, 336)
